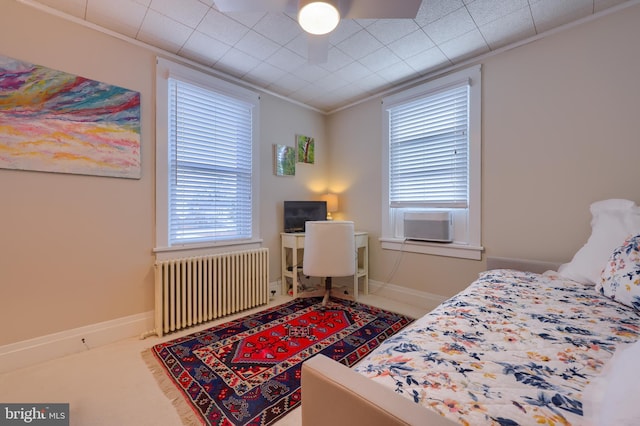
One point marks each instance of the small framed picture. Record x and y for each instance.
(306, 149)
(285, 160)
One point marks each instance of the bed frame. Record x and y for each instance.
(338, 396)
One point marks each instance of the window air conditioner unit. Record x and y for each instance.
(428, 226)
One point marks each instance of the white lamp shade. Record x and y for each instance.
(318, 17)
(329, 249)
(332, 202)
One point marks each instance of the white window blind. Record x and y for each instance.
(429, 151)
(210, 150)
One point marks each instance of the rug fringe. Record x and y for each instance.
(168, 387)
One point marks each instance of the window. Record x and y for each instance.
(432, 159)
(206, 163)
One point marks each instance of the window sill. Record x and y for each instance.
(461, 251)
(166, 253)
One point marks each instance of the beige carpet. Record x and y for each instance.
(111, 385)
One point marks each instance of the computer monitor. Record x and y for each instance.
(296, 213)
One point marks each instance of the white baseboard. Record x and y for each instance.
(405, 295)
(33, 351)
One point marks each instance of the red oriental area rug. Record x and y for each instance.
(247, 371)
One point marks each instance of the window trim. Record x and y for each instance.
(473, 249)
(164, 70)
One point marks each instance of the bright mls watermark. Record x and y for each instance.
(34, 414)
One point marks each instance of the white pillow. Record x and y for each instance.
(612, 222)
(611, 399)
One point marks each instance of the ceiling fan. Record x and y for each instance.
(320, 17)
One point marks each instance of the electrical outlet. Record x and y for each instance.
(274, 288)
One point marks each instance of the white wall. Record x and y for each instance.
(280, 122)
(78, 250)
(559, 131)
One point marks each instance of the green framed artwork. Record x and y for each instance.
(306, 149)
(285, 160)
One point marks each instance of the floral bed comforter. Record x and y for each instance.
(514, 348)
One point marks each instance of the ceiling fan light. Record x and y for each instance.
(318, 17)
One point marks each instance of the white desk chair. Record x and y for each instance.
(329, 251)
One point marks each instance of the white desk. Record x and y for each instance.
(295, 242)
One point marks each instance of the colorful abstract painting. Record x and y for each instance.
(53, 121)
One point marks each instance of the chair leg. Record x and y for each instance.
(325, 299)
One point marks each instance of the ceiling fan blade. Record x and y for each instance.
(225, 6)
(318, 49)
(379, 9)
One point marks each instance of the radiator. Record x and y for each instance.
(194, 290)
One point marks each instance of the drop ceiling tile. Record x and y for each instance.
(310, 73)
(288, 84)
(187, 12)
(248, 19)
(548, 14)
(359, 45)
(330, 83)
(428, 60)
(299, 45)
(364, 23)
(381, 58)
(352, 72)
(509, 28)
(307, 93)
(337, 59)
(122, 16)
(411, 44)
(397, 72)
(345, 29)
(277, 27)
(485, 11)
(346, 93)
(222, 28)
(466, 46)
(389, 30)
(204, 49)
(450, 26)
(264, 74)
(162, 31)
(458, 28)
(371, 83)
(326, 100)
(433, 10)
(237, 63)
(286, 59)
(257, 45)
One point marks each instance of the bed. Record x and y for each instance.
(522, 345)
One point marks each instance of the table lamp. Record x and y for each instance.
(332, 204)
